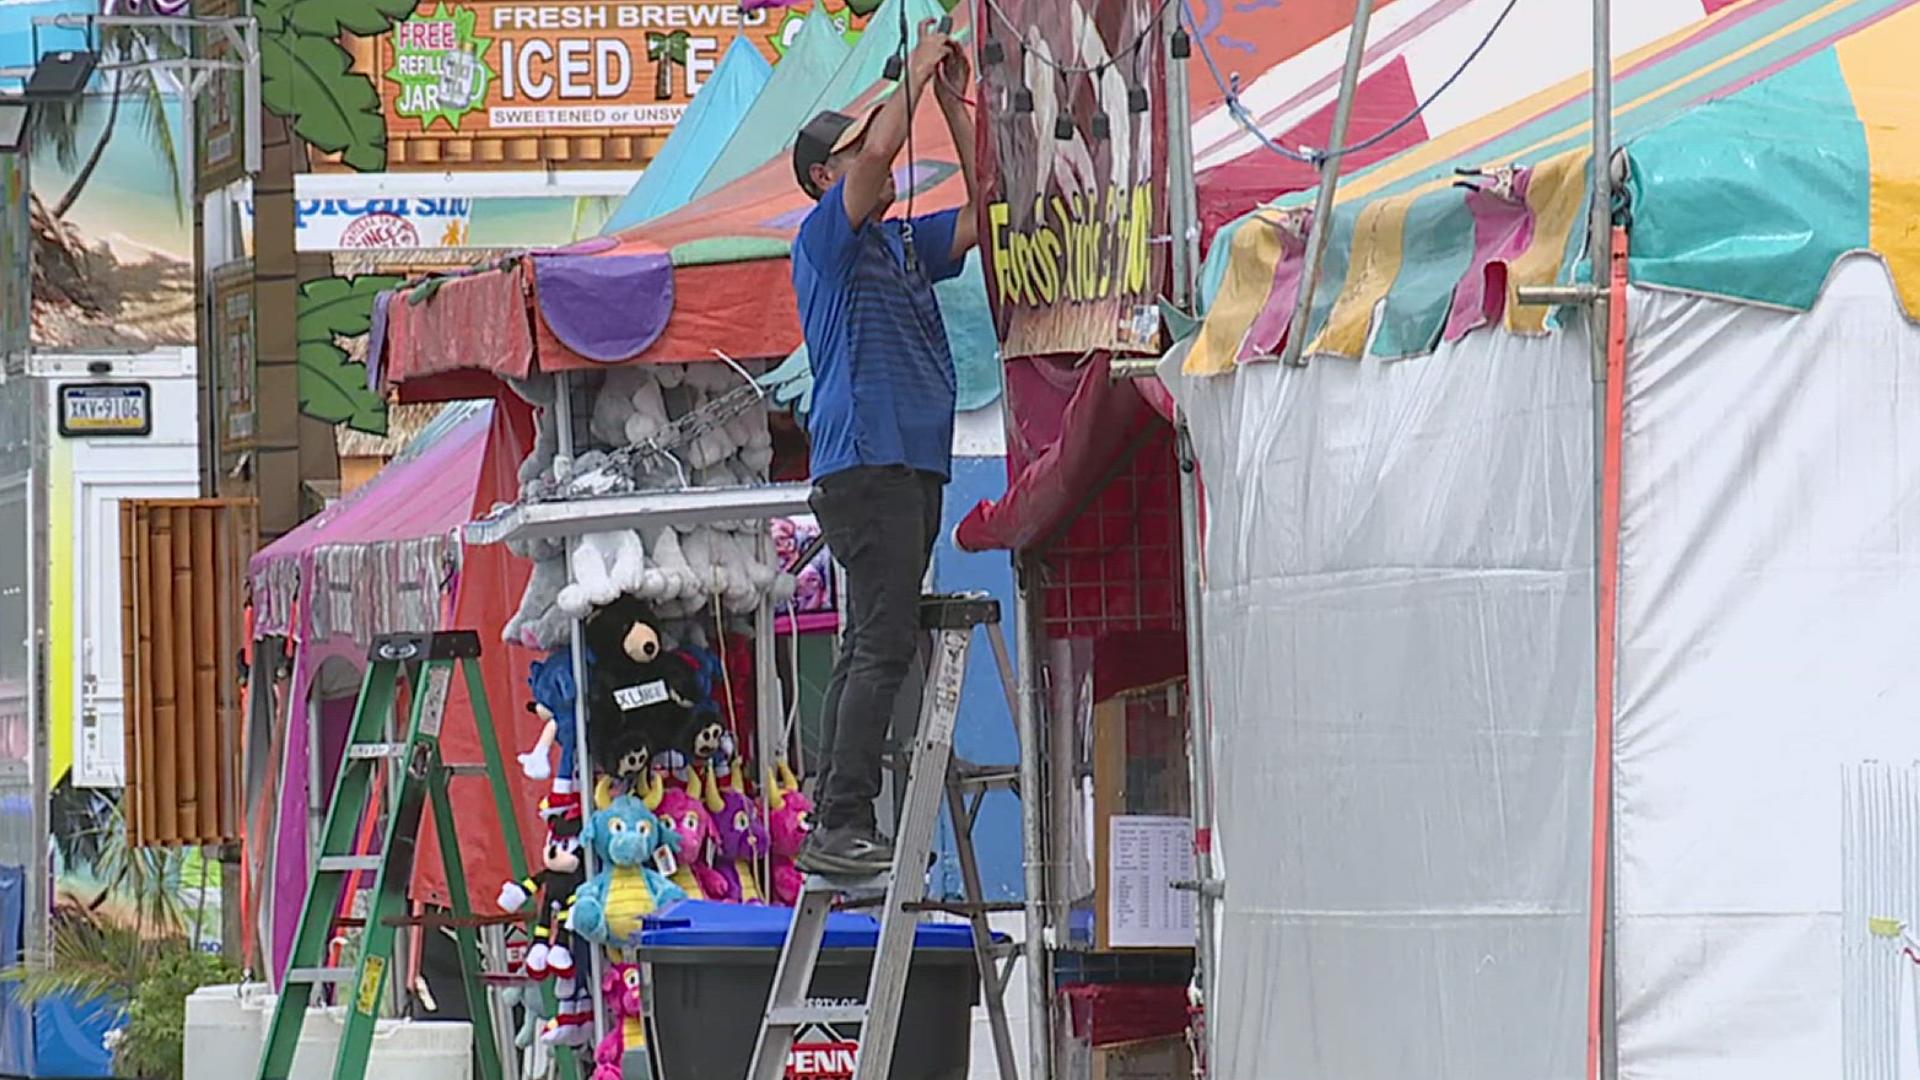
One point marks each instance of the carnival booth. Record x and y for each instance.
(1512, 841)
(645, 622)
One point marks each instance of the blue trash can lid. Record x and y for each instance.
(706, 924)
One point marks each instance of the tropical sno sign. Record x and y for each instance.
(622, 68)
(1075, 167)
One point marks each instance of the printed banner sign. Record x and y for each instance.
(1074, 162)
(235, 377)
(461, 75)
(380, 224)
(16, 268)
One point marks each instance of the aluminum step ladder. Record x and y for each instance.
(426, 661)
(935, 777)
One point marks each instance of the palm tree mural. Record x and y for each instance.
(666, 50)
(57, 125)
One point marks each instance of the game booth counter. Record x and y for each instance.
(1655, 731)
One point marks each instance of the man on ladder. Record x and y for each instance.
(882, 431)
(882, 418)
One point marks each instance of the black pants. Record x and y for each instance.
(880, 523)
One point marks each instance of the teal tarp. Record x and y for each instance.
(781, 113)
(714, 115)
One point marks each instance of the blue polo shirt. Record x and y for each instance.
(882, 374)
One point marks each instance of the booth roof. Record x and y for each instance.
(711, 277)
(1763, 143)
(429, 490)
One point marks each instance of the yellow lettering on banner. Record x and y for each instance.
(1003, 271)
(1139, 246)
(1047, 265)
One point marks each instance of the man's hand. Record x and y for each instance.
(950, 85)
(931, 54)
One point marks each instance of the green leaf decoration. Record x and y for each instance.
(326, 18)
(272, 16)
(308, 80)
(333, 389)
(339, 306)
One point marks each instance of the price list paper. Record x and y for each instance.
(1145, 856)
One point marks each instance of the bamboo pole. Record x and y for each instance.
(205, 720)
(166, 819)
(179, 624)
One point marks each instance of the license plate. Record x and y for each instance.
(102, 409)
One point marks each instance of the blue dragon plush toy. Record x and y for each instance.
(629, 883)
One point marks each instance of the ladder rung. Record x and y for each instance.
(314, 976)
(801, 1015)
(466, 770)
(340, 864)
(963, 907)
(869, 886)
(370, 751)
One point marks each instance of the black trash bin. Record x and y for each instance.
(713, 970)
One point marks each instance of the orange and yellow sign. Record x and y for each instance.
(627, 67)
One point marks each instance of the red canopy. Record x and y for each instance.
(714, 275)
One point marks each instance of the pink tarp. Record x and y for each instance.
(427, 495)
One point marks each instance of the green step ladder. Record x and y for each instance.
(426, 662)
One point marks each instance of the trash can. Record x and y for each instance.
(713, 969)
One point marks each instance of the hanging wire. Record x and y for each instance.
(1230, 87)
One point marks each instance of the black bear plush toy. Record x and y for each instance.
(640, 696)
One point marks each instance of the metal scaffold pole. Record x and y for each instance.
(1184, 221)
(1321, 231)
(583, 758)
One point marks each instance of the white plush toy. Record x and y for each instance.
(678, 580)
(604, 565)
(697, 545)
(613, 405)
(649, 410)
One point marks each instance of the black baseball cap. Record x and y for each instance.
(824, 136)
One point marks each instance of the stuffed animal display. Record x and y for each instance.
(672, 808)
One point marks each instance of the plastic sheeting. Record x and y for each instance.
(1769, 605)
(1398, 622)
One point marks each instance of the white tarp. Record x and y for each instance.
(1769, 624)
(1399, 618)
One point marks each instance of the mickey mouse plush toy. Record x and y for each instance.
(563, 872)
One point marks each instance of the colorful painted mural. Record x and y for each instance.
(112, 233)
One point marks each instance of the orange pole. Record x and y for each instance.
(1605, 645)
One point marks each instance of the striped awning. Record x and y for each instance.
(1763, 143)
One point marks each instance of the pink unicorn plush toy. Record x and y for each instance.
(787, 830)
(690, 818)
(627, 1032)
